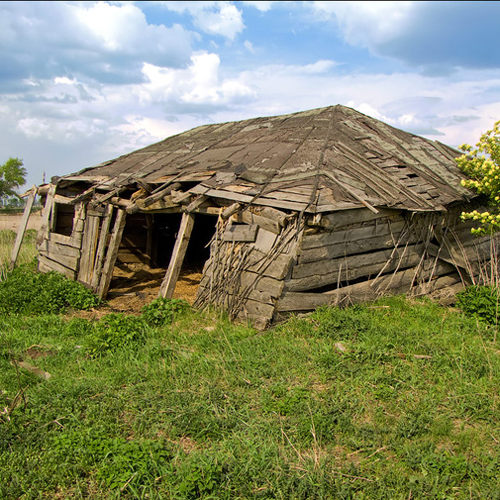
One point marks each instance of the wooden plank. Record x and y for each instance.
(196, 203)
(249, 217)
(319, 274)
(47, 211)
(101, 248)
(70, 241)
(231, 210)
(393, 283)
(46, 265)
(260, 263)
(22, 228)
(350, 191)
(354, 216)
(64, 200)
(252, 281)
(236, 291)
(159, 194)
(354, 261)
(272, 214)
(112, 253)
(360, 233)
(89, 244)
(243, 233)
(55, 249)
(356, 247)
(65, 260)
(245, 198)
(257, 314)
(265, 240)
(174, 268)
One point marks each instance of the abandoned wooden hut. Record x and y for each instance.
(284, 214)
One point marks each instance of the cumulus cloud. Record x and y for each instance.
(139, 113)
(87, 40)
(199, 84)
(213, 18)
(437, 36)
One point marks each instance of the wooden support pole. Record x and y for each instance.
(112, 254)
(174, 267)
(47, 211)
(101, 248)
(22, 228)
(89, 246)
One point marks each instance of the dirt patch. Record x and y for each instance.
(135, 285)
(39, 351)
(12, 221)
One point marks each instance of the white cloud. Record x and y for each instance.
(249, 46)
(367, 23)
(85, 40)
(262, 6)
(435, 36)
(200, 83)
(213, 18)
(227, 22)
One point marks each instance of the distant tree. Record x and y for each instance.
(482, 165)
(12, 176)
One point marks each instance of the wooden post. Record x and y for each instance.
(22, 228)
(89, 245)
(178, 253)
(149, 238)
(103, 240)
(112, 254)
(47, 212)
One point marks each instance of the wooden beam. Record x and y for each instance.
(232, 209)
(89, 244)
(22, 228)
(112, 253)
(101, 248)
(174, 267)
(47, 211)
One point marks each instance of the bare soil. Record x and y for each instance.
(12, 221)
(135, 285)
(140, 283)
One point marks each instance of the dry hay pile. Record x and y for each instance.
(135, 285)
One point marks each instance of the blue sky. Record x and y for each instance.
(84, 82)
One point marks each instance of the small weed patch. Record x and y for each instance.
(481, 302)
(24, 291)
(163, 311)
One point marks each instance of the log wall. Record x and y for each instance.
(359, 257)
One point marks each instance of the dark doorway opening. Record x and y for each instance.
(145, 252)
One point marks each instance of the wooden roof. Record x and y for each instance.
(321, 160)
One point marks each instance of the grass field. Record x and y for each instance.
(26, 254)
(393, 400)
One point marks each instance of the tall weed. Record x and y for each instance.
(27, 252)
(481, 302)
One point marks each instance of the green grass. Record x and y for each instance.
(27, 251)
(395, 400)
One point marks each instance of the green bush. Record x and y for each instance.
(481, 302)
(25, 291)
(163, 311)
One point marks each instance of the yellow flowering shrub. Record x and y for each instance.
(482, 166)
